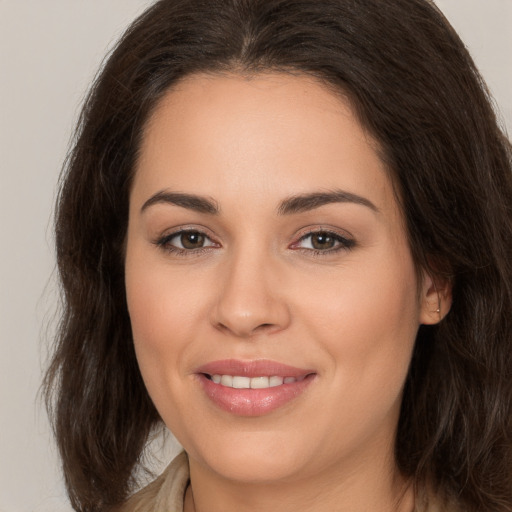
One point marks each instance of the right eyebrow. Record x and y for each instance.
(194, 202)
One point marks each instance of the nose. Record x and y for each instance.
(251, 297)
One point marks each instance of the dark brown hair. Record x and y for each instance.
(416, 90)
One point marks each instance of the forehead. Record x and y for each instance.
(271, 134)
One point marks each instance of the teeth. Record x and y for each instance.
(240, 382)
(227, 380)
(259, 382)
(275, 381)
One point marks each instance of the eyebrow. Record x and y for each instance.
(190, 201)
(305, 202)
(292, 205)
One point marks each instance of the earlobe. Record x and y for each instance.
(436, 299)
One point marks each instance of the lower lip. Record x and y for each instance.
(253, 402)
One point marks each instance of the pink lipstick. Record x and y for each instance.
(252, 388)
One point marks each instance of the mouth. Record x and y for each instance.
(253, 388)
(261, 382)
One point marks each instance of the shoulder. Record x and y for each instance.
(164, 493)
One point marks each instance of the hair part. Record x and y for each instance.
(416, 90)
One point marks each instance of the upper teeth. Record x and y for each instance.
(239, 382)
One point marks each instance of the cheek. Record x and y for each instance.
(148, 299)
(367, 319)
(163, 302)
(162, 314)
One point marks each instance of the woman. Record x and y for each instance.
(285, 232)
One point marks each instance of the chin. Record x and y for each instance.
(254, 457)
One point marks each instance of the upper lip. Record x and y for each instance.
(255, 368)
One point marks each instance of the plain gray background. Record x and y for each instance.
(49, 52)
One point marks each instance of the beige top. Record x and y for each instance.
(167, 493)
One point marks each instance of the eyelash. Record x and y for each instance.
(343, 243)
(165, 243)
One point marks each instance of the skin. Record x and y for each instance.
(258, 290)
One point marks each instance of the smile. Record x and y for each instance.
(252, 388)
(241, 382)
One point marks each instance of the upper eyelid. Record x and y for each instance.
(163, 241)
(175, 234)
(305, 232)
(186, 229)
(324, 229)
(345, 241)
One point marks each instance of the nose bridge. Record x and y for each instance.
(249, 300)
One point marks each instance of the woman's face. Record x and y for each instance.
(265, 244)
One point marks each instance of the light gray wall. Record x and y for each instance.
(49, 52)
(486, 28)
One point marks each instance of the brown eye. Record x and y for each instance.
(186, 241)
(192, 240)
(322, 241)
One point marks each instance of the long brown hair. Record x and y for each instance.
(416, 90)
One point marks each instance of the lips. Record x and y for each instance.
(252, 388)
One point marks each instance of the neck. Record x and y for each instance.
(376, 487)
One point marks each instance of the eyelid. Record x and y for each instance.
(163, 241)
(345, 240)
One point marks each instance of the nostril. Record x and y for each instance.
(246, 318)
(244, 330)
(265, 328)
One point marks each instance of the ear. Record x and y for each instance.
(436, 299)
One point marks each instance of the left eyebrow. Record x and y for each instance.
(305, 202)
